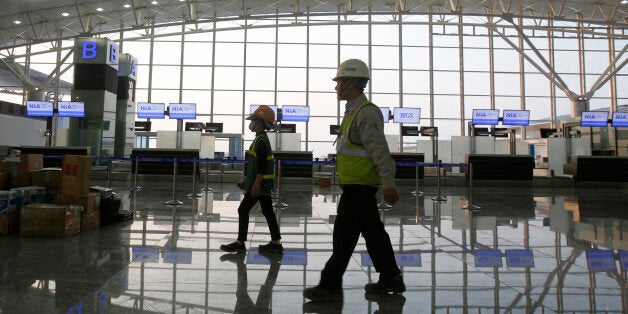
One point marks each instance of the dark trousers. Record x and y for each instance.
(358, 213)
(267, 209)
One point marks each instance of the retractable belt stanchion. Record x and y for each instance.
(279, 202)
(194, 194)
(275, 193)
(207, 188)
(109, 173)
(438, 197)
(136, 187)
(470, 206)
(416, 191)
(174, 201)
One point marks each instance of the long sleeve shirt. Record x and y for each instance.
(368, 131)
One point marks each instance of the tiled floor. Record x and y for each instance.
(524, 251)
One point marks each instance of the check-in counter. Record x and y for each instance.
(55, 151)
(501, 167)
(294, 170)
(164, 167)
(601, 168)
(408, 172)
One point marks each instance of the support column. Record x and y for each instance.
(124, 135)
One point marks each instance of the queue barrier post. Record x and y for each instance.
(279, 202)
(194, 194)
(174, 200)
(439, 197)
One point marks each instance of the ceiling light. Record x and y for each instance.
(127, 6)
(154, 2)
(17, 22)
(99, 9)
(65, 14)
(624, 1)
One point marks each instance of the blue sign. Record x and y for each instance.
(407, 115)
(404, 259)
(182, 111)
(288, 258)
(623, 259)
(516, 117)
(601, 260)
(385, 113)
(178, 256)
(147, 110)
(594, 119)
(519, 258)
(295, 113)
(89, 50)
(73, 109)
(145, 254)
(485, 117)
(620, 120)
(39, 109)
(488, 258)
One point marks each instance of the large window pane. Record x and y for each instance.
(166, 53)
(292, 34)
(324, 104)
(228, 102)
(323, 56)
(229, 54)
(476, 83)
(385, 34)
(166, 76)
(416, 58)
(446, 59)
(446, 107)
(228, 78)
(292, 55)
(260, 54)
(197, 77)
(354, 52)
(385, 57)
(321, 80)
(507, 84)
(354, 34)
(289, 79)
(385, 81)
(327, 34)
(202, 99)
(416, 82)
(476, 60)
(260, 78)
(446, 82)
(415, 35)
(197, 53)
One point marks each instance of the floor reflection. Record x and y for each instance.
(520, 250)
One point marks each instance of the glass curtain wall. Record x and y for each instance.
(445, 68)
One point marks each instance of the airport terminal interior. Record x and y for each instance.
(123, 137)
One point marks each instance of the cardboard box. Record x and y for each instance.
(74, 185)
(32, 162)
(77, 166)
(4, 181)
(324, 182)
(29, 195)
(8, 202)
(46, 177)
(50, 220)
(9, 223)
(90, 202)
(90, 220)
(18, 176)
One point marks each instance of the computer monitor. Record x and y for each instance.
(481, 132)
(545, 133)
(73, 109)
(182, 111)
(213, 127)
(295, 113)
(385, 113)
(485, 117)
(407, 115)
(148, 110)
(334, 129)
(194, 126)
(500, 132)
(287, 128)
(594, 119)
(410, 130)
(39, 109)
(620, 120)
(142, 126)
(516, 117)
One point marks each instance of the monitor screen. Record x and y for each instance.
(334, 129)
(594, 118)
(385, 113)
(39, 108)
(407, 115)
(148, 110)
(516, 117)
(253, 107)
(215, 127)
(620, 119)
(182, 111)
(73, 109)
(142, 126)
(288, 128)
(545, 133)
(485, 117)
(410, 130)
(295, 113)
(194, 126)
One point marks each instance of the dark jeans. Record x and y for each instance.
(358, 213)
(267, 209)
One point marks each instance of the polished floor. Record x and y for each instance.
(524, 250)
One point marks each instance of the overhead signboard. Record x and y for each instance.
(620, 120)
(73, 109)
(516, 117)
(295, 113)
(39, 108)
(594, 119)
(407, 115)
(182, 111)
(485, 117)
(146, 110)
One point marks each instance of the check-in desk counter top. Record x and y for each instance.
(601, 168)
(501, 167)
(408, 172)
(55, 151)
(294, 170)
(164, 167)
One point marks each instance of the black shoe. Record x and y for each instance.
(323, 307)
(233, 247)
(388, 303)
(271, 247)
(271, 257)
(237, 257)
(394, 285)
(321, 294)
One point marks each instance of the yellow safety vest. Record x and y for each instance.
(354, 164)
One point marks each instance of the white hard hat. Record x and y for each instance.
(352, 68)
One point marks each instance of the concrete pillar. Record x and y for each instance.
(124, 135)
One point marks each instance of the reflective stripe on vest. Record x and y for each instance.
(354, 164)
